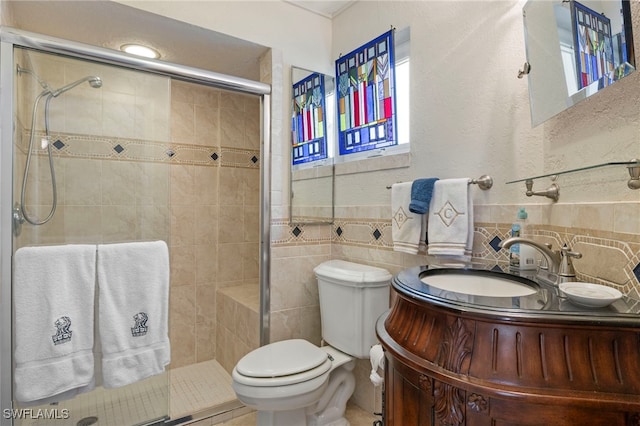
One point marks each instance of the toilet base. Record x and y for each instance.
(338, 422)
(330, 409)
(320, 401)
(292, 418)
(327, 411)
(275, 418)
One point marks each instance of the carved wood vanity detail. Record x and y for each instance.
(450, 365)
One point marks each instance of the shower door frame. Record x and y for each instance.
(10, 38)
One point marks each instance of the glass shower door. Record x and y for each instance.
(90, 167)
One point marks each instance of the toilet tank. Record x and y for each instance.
(352, 297)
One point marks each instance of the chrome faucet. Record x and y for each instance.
(558, 261)
(552, 257)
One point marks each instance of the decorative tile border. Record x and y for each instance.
(362, 232)
(620, 270)
(102, 147)
(285, 234)
(487, 246)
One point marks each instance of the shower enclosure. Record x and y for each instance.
(99, 147)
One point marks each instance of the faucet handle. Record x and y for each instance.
(566, 265)
(566, 251)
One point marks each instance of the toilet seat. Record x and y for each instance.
(282, 363)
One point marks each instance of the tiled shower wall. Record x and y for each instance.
(214, 221)
(144, 158)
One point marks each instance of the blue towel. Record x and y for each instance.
(421, 192)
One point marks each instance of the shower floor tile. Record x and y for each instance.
(134, 404)
(199, 387)
(200, 390)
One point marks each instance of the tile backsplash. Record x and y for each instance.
(607, 235)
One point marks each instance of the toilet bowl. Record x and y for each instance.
(294, 382)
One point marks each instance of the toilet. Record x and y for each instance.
(294, 382)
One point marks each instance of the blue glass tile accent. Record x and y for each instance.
(214, 156)
(496, 268)
(636, 271)
(377, 234)
(170, 153)
(297, 231)
(58, 144)
(495, 243)
(254, 159)
(339, 231)
(118, 148)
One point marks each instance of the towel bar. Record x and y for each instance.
(484, 182)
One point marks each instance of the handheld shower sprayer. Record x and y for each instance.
(95, 82)
(20, 214)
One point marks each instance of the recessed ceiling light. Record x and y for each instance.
(140, 50)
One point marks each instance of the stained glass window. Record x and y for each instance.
(308, 124)
(594, 53)
(366, 97)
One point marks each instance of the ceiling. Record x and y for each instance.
(178, 42)
(327, 8)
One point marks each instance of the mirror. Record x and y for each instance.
(312, 137)
(574, 49)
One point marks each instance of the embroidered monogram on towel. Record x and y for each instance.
(63, 334)
(448, 214)
(140, 329)
(451, 223)
(408, 229)
(400, 217)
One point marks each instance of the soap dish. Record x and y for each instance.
(590, 295)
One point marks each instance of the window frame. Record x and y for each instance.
(402, 58)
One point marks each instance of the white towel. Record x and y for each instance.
(54, 288)
(451, 219)
(133, 284)
(408, 229)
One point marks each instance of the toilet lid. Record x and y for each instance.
(282, 358)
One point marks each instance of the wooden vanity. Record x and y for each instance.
(457, 363)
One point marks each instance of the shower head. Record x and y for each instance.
(95, 82)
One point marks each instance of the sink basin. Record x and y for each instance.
(478, 283)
